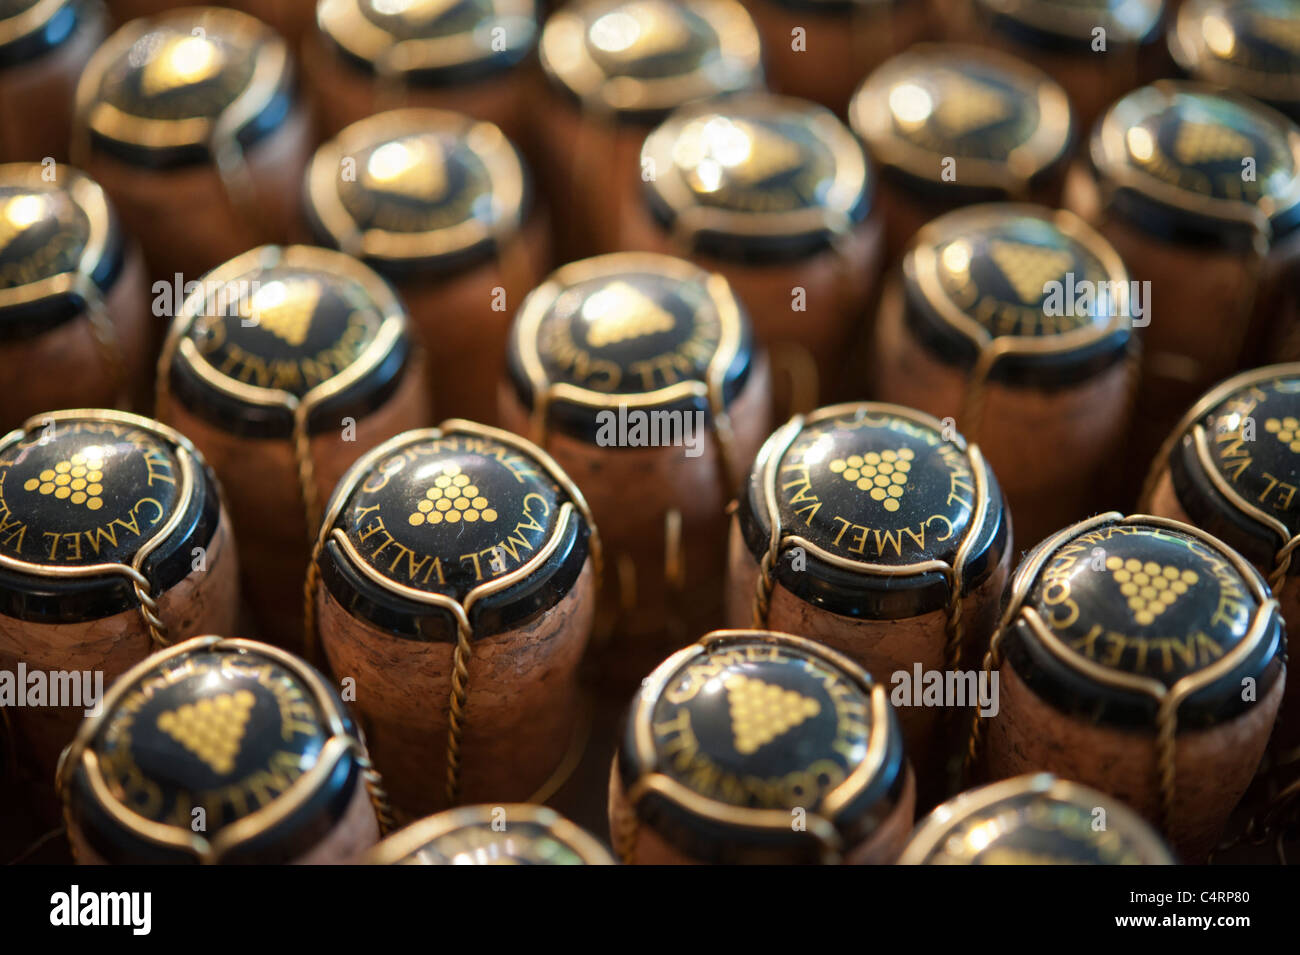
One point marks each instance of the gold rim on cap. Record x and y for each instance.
(820, 825)
(418, 835)
(835, 206)
(346, 24)
(567, 56)
(270, 58)
(924, 260)
(27, 22)
(936, 828)
(210, 851)
(1110, 153)
(188, 459)
(1205, 41)
(1128, 21)
(873, 114)
(485, 140)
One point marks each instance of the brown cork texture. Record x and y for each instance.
(208, 230)
(465, 338)
(351, 836)
(66, 367)
(341, 93)
(205, 602)
(821, 71)
(259, 478)
(590, 168)
(882, 647)
(641, 845)
(520, 715)
(1286, 734)
(36, 97)
(839, 287)
(1213, 767)
(1049, 449)
(652, 617)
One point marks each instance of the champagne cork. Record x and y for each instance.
(752, 747)
(1097, 49)
(442, 206)
(1144, 658)
(1198, 190)
(194, 110)
(453, 582)
(284, 367)
(1231, 467)
(368, 56)
(875, 531)
(516, 834)
(774, 194)
(950, 125)
(841, 42)
(219, 751)
(43, 46)
(615, 70)
(1013, 321)
(1035, 820)
(114, 543)
(638, 372)
(1244, 45)
(74, 322)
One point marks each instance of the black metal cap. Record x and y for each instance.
(58, 237)
(1107, 616)
(248, 734)
(279, 329)
(1235, 462)
(86, 495)
(756, 177)
(511, 834)
(1068, 25)
(1173, 157)
(31, 28)
(732, 734)
(1007, 125)
(162, 90)
(632, 329)
(417, 192)
(637, 60)
(430, 42)
(1049, 290)
(1247, 45)
(460, 516)
(873, 495)
(1035, 820)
